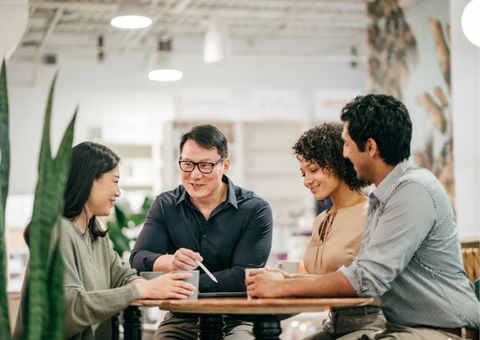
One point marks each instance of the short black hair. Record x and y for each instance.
(383, 118)
(323, 145)
(208, 137)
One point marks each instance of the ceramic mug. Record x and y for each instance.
(150, 275)
(193, 281)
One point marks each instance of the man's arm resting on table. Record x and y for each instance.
(330, 285)
(268, 284)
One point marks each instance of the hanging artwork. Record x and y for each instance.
(409, 58)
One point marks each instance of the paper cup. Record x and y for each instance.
(287, 266)
(194, 280)
(247, 274)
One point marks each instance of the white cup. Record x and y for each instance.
(287, 266)
(247, 274)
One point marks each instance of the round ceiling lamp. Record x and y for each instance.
(131, 15)
(471, 22)
(165, 75)
(163, 70)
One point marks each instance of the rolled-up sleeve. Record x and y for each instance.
(402, 223)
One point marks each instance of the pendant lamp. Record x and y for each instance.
(471, 22)
(131, 15)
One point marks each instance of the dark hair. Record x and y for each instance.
(90, 161)
(384, 119)
(208, 137)
(323, 145)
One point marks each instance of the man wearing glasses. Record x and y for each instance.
(207, 219)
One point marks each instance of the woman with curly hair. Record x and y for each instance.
(337, 232)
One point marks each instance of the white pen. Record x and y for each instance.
(210, 275)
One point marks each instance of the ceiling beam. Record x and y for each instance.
(48, 34)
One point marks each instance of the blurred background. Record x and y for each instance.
(262, 71)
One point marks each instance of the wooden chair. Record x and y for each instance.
(471, 263)
(13, 306)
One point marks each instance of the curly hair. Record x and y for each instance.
(383, 118)
(323, 145)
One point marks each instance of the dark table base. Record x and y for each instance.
(265, 327)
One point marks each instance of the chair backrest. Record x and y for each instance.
(13, 306)
(471, 263)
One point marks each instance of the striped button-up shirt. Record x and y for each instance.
(410, 255)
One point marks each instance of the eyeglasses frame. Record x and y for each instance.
(196, 164)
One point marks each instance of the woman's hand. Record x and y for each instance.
(183, 259)
(167, 286)
(265, 283)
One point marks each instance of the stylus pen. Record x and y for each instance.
(210, 275)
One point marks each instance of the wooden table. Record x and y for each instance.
(266, 314)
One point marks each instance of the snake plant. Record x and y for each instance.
(4, 171)
(43, 300)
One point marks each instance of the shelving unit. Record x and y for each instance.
(18, 212)
(137, 140)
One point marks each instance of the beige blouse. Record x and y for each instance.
(343, 232)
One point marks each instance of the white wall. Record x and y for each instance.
(120, 86)
(466, 129)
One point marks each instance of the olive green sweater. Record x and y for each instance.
(94, 291)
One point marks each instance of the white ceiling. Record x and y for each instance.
(318, 29)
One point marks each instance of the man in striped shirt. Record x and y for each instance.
(410, 256)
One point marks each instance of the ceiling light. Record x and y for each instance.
(165, 75)
(471, 22)
(131, 15)
(216, 46)
(163, 72)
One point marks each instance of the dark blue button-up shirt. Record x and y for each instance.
(237, 235)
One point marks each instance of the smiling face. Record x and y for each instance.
(318, 181)
(202, 186)
(105, 191)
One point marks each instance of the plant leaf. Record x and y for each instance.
(49, 195)
(5, 332)
(54, 323)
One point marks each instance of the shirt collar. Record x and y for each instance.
(231, 197)
(385, 187)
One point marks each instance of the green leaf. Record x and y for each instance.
(120, 241)
(49, 194)
(54, 325)
(122, 220)
(45, 212)
(5, 332)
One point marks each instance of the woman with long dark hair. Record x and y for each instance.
(97, 284)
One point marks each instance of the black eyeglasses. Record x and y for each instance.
(203, 167)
